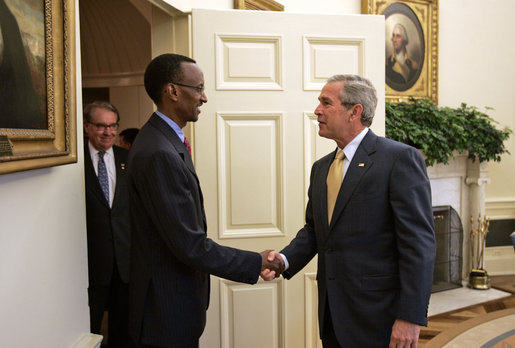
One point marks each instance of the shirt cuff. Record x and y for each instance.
(286, 264)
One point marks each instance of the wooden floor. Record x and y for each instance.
(441, 322)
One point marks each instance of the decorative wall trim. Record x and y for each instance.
(322, 55)
(262, 302)
(311, 310)
(500, 209)
(113, 80)
(263, 215)
(500, 260)
(315, 147)
(249, 62)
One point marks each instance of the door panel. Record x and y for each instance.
(240, 216)
(255, 142)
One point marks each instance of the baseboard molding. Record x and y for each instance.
(88, 341)
(500, 260)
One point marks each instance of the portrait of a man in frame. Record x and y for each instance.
(22, 65)
(404, 47)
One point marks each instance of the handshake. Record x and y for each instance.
(272, 264)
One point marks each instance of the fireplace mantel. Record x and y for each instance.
(461, 184)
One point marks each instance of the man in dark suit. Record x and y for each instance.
(171, 256)
(127, 137)
(108, 225)
(373, 232)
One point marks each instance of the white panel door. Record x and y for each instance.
(255, 142)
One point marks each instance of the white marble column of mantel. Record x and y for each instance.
(476, 179)
(461, 184)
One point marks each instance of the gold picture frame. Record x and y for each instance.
(413, 71)
(51, 139)
(260, 5)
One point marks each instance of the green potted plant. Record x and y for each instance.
(439, 131)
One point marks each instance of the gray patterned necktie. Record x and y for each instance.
(103, 178)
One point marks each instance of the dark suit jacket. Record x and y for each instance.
(108, 228)
(375, 260)
(397, 80)
(171, 255)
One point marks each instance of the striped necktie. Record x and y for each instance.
(334, 181)
(103, 178)
(187, 144)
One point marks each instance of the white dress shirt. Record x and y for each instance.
(349, 150)
(172, 124)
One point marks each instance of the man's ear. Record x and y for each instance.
(357, 110)
(171, 92)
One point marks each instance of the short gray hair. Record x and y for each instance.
(99, 104)
(358, 90)
(404, 33)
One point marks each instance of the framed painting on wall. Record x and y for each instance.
(37, 84)
(411, 47)
(259, 5)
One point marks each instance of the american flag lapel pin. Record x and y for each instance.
(361, 164)
(123, 166)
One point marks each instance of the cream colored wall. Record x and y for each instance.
(43, 263)
(133, 104)
(476, 66)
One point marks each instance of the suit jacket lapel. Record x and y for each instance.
(179, 146)
(360, 164)
(120, 171)
(325, 164)
(170, 134)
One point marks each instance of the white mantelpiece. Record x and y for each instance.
(461, 184)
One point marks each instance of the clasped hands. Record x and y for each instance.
(272, 264)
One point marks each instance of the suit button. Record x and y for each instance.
(329, 250)
(330, 278)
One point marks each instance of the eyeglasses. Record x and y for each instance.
(199, 89)
(102, 127)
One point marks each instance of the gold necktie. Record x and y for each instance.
(334, 181)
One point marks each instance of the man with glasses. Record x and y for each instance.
(108, 225)
(172, 257)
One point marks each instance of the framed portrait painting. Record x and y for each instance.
(37, 84)
(411, 47)
(258, 5)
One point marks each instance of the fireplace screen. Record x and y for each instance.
(449, 249)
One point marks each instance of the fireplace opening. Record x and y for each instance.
(449, 249)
